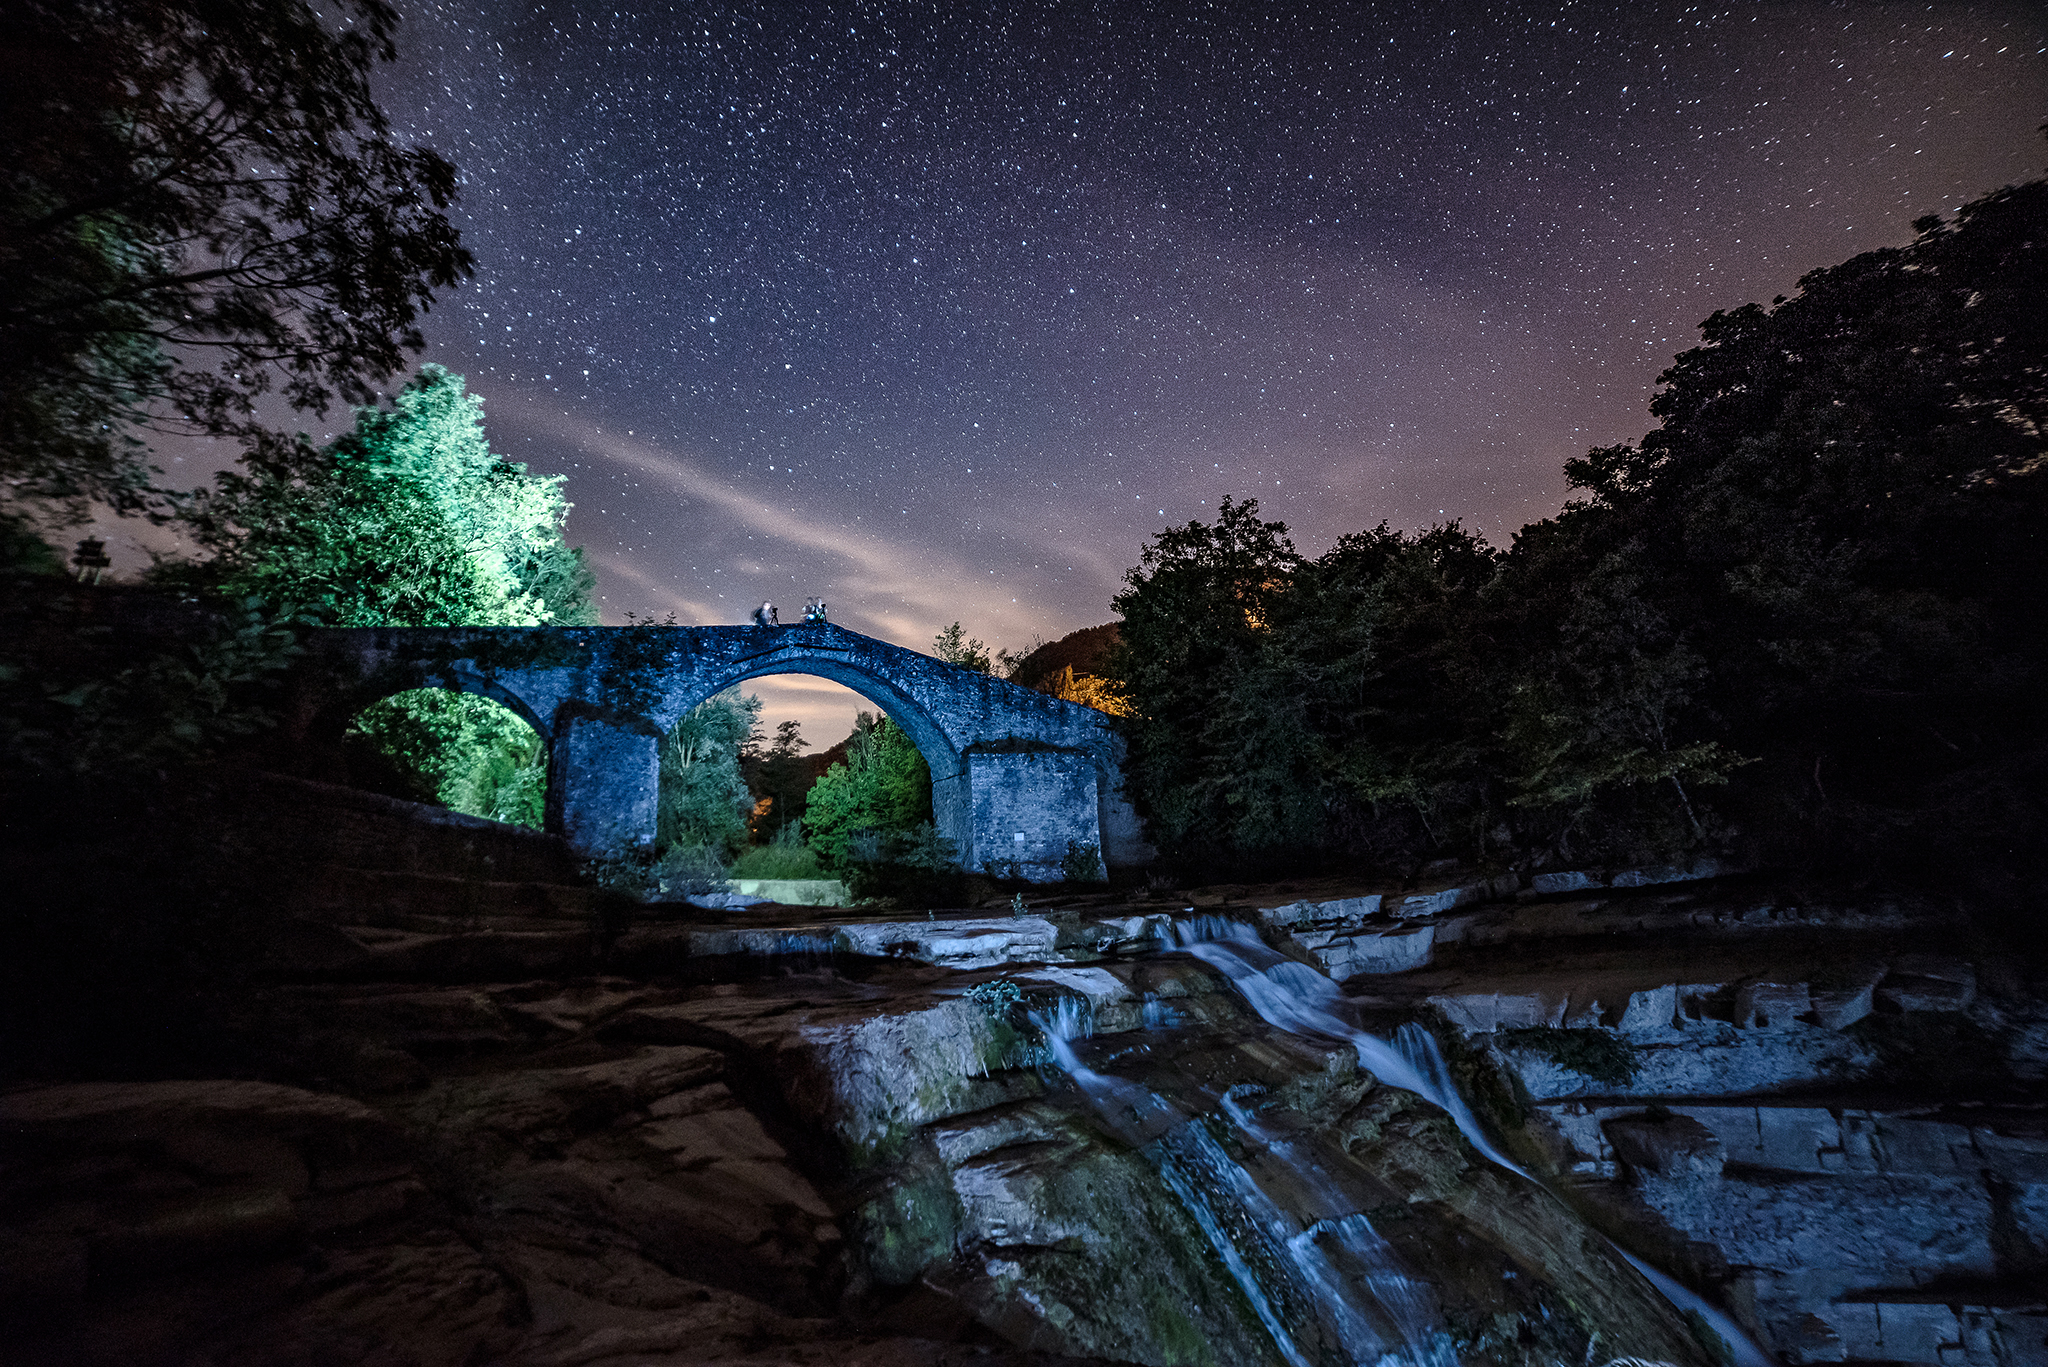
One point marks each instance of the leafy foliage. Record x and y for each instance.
(22, 551)
(786, 856)
(779, 776)
(955, 647)
(883, 788)
(1000, 999)
(179, 704)
(409, 520)
(466, 753)
(917, 866)
(199, 201)
(704, 801)
(1089, 690)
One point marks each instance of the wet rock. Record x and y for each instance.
(477, 957)
(1369, 952)
(955, 944)
(558, 1010)
(1341, 911)
(1812, 1339)
(151, 1218)
(524, 1103)
(866, 1066)
(1650, 1012)
(1582, 880)
(1839, 1007)
(1486, 1012)
(419, 1021)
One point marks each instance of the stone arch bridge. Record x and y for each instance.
(1016, 775)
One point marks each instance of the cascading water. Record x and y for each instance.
(1335, 1278)
(1297, 999)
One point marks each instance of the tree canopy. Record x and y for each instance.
(956, 647)
(200, 202)
(704, 800)
(408, 520)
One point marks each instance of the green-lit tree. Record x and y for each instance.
(704, 800)
(884, 788)
(409, 520)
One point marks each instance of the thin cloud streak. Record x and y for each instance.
(924, 591)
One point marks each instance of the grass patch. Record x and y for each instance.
(1596, 1054)
(778, 861)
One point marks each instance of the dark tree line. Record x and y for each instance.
(1803, 617)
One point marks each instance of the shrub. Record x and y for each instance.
(689, 870)
(1601, 1056)
(1083, 864)
(918, 867)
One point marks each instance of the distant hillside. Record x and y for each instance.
(1086, 651)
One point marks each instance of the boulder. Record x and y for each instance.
(1927, 983)
(1486, 1012)
(1584, 880)
(1649, 1012)
(1392, 951)
(1839, 1006)
(1436, 901)
(954, 944)
(1672, 1146)
(1345, 910)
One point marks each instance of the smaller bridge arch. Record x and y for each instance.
(1017, 777)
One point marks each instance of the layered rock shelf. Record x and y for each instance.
(508, 1121)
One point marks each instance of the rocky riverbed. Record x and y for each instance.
(489, 1120)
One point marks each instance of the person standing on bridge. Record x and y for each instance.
(764, 616)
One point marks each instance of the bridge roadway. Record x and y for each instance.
(1017, 777)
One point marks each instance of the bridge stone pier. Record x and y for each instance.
(1017, 777)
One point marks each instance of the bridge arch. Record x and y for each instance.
(330, 727)
(952, 812)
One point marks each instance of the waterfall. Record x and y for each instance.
(1296, 998)
(1313, 1276)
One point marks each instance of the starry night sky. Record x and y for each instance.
(941, 310)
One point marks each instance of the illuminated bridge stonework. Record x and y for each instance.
(1017, 776)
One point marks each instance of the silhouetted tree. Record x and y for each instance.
(199, 201)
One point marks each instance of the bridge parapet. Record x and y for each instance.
(1017, 777)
